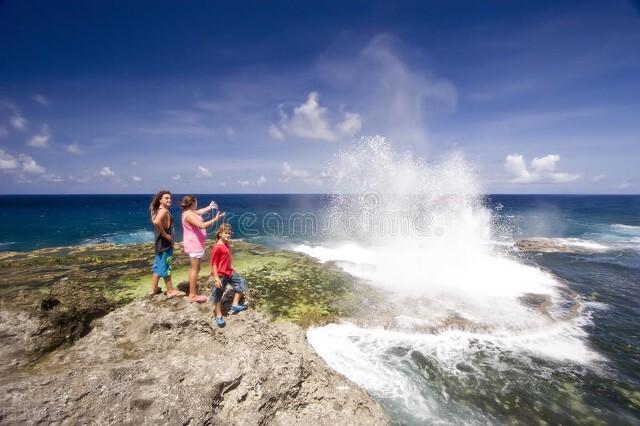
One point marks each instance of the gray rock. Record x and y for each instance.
(164, 361)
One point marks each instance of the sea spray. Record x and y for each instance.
(420, 233)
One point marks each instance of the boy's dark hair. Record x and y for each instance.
(222, 228)
(155, 202)
(187, 201)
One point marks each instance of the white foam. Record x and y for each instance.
(362, 355)
(576, 243)
(626, 227)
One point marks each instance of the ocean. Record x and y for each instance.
(501, 360)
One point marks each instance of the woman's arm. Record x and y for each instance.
(196, 220)
(207, 209)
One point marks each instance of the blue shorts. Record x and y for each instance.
(238, 284)
(162, 263)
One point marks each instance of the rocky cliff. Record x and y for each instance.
(74, 356)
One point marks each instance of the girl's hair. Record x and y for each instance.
(188, 201)
(155, 202)
(222, 228)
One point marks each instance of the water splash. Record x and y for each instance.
(419, 232)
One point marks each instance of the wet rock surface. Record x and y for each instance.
(164, 361)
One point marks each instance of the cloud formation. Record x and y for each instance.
(7, 161)
(107, 172)
(289, 172)
(19, 122)
(203, 172)
(275, 133)
(29, 165)
(73, 148)
(40, 140)
(311, 121)
(543, 170)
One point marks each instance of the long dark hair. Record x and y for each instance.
(187, 201)
(155, 202)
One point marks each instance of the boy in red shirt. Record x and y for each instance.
(223, 274)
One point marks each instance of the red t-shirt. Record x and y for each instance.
(221, 257)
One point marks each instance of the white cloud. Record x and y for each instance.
(107, 172)
(50, 177)
(80, 179)
(545, 164)
(261, 181)
(244, 183)
(541, 169)
(177, 177)
(275, 133)
(73, 148)
(289, 172)
(203, 172)
(136, 178)
(309, 120)
(41, 139)
(40, 99)
(7, 161)
(19, 122)
(230, 131)
(29, 165)
(598, 178)
(351, 124)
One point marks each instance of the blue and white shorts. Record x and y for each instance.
(238, 284)
(162, 263)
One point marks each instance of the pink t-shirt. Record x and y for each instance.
(193, 237)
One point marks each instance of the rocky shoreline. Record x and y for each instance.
(81, 345)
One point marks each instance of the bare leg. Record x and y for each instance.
(169, 284)
(155, 278)
(218, 309)
(193, 277)
(236, 299)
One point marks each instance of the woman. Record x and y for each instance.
(163, 230)
(194, 235)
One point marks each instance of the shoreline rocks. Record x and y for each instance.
(155, 361)
(79, 344)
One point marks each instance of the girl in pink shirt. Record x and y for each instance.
(194, 232)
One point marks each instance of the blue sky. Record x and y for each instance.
(234, 97)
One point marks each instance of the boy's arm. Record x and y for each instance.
(214, 270)
(157, 222)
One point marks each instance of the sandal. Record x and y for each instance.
(158, 290)
(176, 293)
(201, 298)
(220, 322)
(237, 308)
